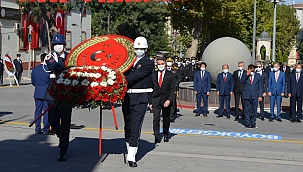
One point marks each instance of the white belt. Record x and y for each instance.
(139, 90)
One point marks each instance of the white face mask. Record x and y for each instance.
(187, 62)
(139, 53)
(240, 68)
(161, 67)
(275, 69)
(192, 63)
(202, 68)
(225, 70)
(291, 68)
(179, 63)
(169, 63)
(298, 70)
(258, 69)
(252, 73)
(58, 48)
(184, 64)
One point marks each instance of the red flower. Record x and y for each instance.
(105, 98)
(69, 97)
(81, 100)
(114, 98)
(109, 89)
(59, 96)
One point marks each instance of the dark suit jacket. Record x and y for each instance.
(294, 87)
(139, 76)
(202, 85)
(225, 88)
(18, 65)
(166, 92)
(264, 81)
(40, 80)
(253, 90)
(1, 66)
(287, 72)
(238, 86)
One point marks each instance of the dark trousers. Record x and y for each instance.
(60, 120)
(261, 103)
(18, 77)
(238, 97)
(224, 99)
(295, 100)
(173, 109)
(1, 78)
(133, 119)
(204, 96)
(41, 105)
(166, 120)
(251, 106)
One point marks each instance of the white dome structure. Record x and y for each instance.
(225, 50)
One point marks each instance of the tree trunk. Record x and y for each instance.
(195, 33)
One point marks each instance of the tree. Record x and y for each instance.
(132, 20)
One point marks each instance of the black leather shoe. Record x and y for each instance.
(293, 120)
(228, 116)
(279, 119)
(262, 118)
(62, 157)
(197, 114)
(132, 164)
(157, 140)
(298, 120)
(271, 120)
(204, 115)
(219, 116)
(237, 117)
(247, 126)
(165, 138)
(253, 126)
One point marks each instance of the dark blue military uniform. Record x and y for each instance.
(59, 118)
(135, 104)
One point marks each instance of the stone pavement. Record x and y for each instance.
(224, 146)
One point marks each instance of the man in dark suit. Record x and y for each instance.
(276, 87)
(239, 89)
(40, 80)
(252, 92)
(261, 71)
(192, 69)
(286, 70)
(295, 92)
(163, 84)
(19, 68)
(202, 86)
(1, 71)
(59, 117)
(137, 98)
(225, 88)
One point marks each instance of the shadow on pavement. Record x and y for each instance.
(3, 113)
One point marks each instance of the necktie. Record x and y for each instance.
(224, 78)
(276, 76)
(240, 74)
(284, 68)
(250, 79)
(160, 79)
(202, 74)
(297, 77)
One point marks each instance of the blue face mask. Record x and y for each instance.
(139, 53)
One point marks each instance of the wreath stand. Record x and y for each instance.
(10, 82)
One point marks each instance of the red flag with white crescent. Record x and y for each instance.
(60, 21)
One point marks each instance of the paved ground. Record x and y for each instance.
(226, 146)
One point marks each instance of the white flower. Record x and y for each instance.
(108, 70)
(110, 82)
(85, 82)
(90, 67)
(112, 75)
(75, 82)
(104, 68)
(91, 75)
(67, 81)
(79, 73)
(61, 75)
(85, 74)
(97, 75)
(94, 84)
(60, 80)
(104, 84)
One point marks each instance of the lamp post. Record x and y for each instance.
(273, 58)
(253, 54)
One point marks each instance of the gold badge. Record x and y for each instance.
(138, 67)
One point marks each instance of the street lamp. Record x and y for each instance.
(254, 32)
(274, 28)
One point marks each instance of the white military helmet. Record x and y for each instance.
(140, 42)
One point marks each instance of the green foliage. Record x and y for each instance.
(132, 20)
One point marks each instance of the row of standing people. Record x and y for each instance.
(250, 87)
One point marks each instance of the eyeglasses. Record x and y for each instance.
(258, 66)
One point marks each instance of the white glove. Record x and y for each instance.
(47, 57)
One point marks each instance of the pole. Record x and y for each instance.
(274, 34)
(108, 23)
(100, 133)
(254, 33)
(114, 116)
(29, 61)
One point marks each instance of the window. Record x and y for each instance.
(68, 39)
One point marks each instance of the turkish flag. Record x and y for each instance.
(35, 33)
(60, 21)
(25, 31)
